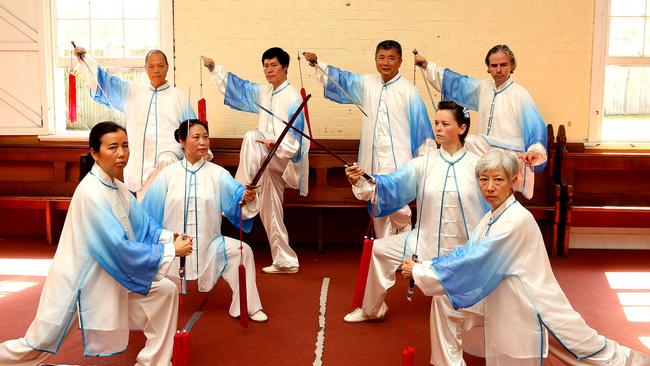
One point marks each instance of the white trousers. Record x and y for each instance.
(270, 195)
(387, 255)
(155, 314)
(231, 276)
(455, 330)
(393, 224)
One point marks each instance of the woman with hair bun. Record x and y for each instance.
(191, 196)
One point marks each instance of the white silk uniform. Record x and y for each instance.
(290, 165)
(193, 202)
(109, 270)
(450, 205)
(152, 115)
(505, 264)
(396, 130)
(507, 118)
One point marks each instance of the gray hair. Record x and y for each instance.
(505, 49)
(496, 159)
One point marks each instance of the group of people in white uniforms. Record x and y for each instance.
(395, 147)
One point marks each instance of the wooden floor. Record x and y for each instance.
(292, 303)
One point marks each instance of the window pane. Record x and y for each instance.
(140, 37)
(72, 9)
(141, 9)
(626, 90)
(627, 7)
(72, 30)
(108, 38)
(102, 9)
(626, 37)
(626, 104)
(646, 49)
(89, 112)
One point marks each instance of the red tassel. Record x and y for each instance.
(181, 355)
(362, 275)
(243, 299)
(408, 356)
(202, 111)
(72, 97)
(304, 96)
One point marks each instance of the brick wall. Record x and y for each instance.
(551, 39)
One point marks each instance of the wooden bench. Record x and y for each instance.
(605, 189)
(47, 204)
(545, 203)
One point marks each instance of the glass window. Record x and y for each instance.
(623, 112)
(118, 34)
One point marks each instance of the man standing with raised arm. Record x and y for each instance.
(152, 112)
(289, 166)
(395, 127)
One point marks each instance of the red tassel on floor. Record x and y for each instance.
(408, 356)
(202, 111)
(243, 300)
(181, 355)
(72, 97)
(362, 275)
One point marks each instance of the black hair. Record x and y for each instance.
(155, 51)
(181, 131)
(505, 49)
(279, 53)
(460, 114)
(387, 45)
(94, 142)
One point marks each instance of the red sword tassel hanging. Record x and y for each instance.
(202, 106)
(303, 93)
(72, 94)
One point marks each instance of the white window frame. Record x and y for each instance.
(600, 60)
(57, 126)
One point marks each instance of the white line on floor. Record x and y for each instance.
(320, 337)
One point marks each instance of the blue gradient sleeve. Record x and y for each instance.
(461, 89)
(470, 273)
(533, 129)
(350, 82)
(419, 123)
(132, 263)
(241, 94)
(231, 193)
(111, 90)
(394, 190)
(154, 199)
(187, 112)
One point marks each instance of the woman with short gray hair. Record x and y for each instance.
(505, 264)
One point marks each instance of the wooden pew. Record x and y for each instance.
(605, 188)
(545, 204)
(37, 176)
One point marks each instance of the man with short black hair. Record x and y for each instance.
(397, 126)
(290, 165)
